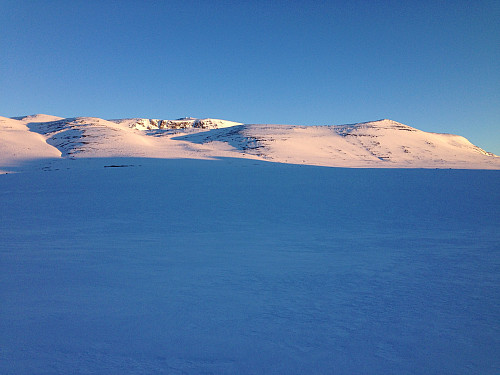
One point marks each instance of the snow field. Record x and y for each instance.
(240, 266)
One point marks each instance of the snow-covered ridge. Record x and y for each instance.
(182, 123)
(377, 144)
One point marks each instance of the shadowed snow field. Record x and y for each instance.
(142, 266)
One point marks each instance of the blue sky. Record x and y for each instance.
(433, 65)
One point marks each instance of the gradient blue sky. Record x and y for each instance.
(433, 65)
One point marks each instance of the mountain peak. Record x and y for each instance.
(384, 122)
(39, 117)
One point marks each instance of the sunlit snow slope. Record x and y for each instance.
(18, 144)
(377, 144)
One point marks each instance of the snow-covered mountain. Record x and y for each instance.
(383, 143)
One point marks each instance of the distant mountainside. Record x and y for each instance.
(377, 144)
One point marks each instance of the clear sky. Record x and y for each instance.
(433, 65)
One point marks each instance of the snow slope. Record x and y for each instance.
(244, 267)
(378, 144)
(18, 144)
(383, 143)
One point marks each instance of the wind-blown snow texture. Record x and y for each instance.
(135, 266)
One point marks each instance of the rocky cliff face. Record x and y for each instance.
(182, 123)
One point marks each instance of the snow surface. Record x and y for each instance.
(233, 266)
(377, 144)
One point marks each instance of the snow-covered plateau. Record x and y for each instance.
(208, 247)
